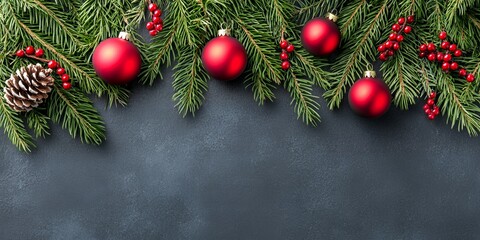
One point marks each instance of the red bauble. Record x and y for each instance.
(116, 60)
(224, 57)
(369, 97)
(321, 37)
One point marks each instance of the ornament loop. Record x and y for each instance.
(124, 36)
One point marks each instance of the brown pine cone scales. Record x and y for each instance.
(28, 87)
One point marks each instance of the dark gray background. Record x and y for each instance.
(240, 171)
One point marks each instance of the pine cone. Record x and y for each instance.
(28, 88)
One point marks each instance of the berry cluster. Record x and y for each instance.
(156, 25)
(431, 109)
(286, 49)
(445, 58)
(389, 48)
(37, 54)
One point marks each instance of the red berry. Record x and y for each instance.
(383, 57)
(423, 48)
(393, 36)
(157, 13)
(431, 47)
(285, 65)
(440, 56)
(152, 7)
(389, 53)
(60, 71)
(431, 116)
(66, 85)
(430, 102)
(453, 66)
(410, 19)
(431, 57)
(39, 52)
(446, 66)
(283, 44)
(290, 48)
(470, 78)
(396, 27)
(400, 38)
(159, 27)
(428, 111)
(436, 111)
(153, 33)
(457, 53)
(445, 45)
(425, 107)
(65, 78)
(52, 64)
(422, 55)
(443, 35)
(401, 20)
(381, 48)
(452, 47)
(447, 57)
(396, 46)
(433, 95)
(284, 56)
(150, 26)
(407, 29)
(462, 72)
(20, 53)
(30, 50)
(157, 20)
(389, 44)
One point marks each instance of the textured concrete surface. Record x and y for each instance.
(239, 171)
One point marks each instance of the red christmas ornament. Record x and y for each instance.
(116, 60)
(224, 57)
(369, 96)
(320, 36)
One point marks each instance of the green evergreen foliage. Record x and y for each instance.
(68, 30)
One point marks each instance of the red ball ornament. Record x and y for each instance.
(320, 36)
(116, 60)
(224, 57)
(369, 96)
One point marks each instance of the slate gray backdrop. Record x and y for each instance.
(239, 171)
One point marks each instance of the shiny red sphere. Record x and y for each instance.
(117, 61)
(224, 58)
(369, 97)
(321, 37)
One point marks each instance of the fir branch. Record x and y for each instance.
(38, 122)
(306, 105)
(14, 128)
(460, 112)
(401, 74)
(76, 113)
(190, 81)
(358, 51)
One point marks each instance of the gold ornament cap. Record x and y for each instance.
(124, 36)
(332, 17)
(370, 74)
(224, 32)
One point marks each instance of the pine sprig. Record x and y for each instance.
(38, 122)
(14, 127)
(358, 50)
(75, 112)
(305, 103)
(190, 81)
